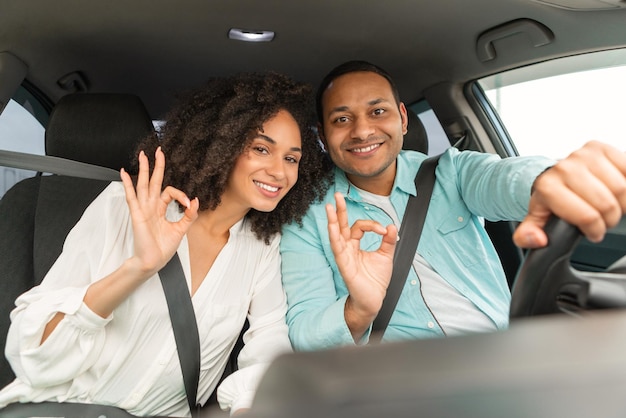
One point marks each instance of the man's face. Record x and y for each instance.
(363, 129)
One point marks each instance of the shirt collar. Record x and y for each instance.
(408, 163)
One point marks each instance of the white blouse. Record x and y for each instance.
(129, 359)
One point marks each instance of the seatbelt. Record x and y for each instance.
(172, 277)
(56, 165)
(185, 327)
(410, 231)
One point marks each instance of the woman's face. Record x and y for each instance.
(268, 168)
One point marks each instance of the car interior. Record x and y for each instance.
(96, 77)
(39, 212)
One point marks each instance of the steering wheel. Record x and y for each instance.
(546, 283)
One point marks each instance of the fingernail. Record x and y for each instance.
(596, 238)
(529, 240)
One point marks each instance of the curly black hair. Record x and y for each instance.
(212, 126)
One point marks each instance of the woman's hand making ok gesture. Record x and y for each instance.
(156, 238)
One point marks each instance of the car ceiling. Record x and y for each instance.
(157, 48)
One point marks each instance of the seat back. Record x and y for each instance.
(415, 139)
(97, 128)
(37, 213)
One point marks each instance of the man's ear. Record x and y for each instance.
(322, 137)
(405, 118)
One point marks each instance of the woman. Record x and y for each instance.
(97, 328)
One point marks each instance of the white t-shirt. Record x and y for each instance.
(129, 359)
(454, 313)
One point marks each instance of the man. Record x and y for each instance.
(457, 284)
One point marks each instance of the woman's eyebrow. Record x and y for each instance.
(271, 141)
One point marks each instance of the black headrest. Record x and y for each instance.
(415, 139)
(98, 128)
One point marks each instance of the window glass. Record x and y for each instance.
(437, 139)
(158, 125)
(19, 131)
(555, 107)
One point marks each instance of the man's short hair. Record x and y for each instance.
(351, 67)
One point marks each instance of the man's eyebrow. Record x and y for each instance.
(372, 102)
(338, 109)
(271, 141)
(377, 101)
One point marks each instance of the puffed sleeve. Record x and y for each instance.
(76, 342)
(266, 338)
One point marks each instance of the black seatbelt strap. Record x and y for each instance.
(410, 231)
(185, 327)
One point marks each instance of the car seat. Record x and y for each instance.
(415, 139)
(37, 213)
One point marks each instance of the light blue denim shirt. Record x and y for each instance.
(469, 186)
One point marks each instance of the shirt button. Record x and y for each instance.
(366, 207)
(460, 219)
(413, 282)
(431, 324)
(398, 238)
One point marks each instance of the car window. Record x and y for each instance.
(20, 131)
(437, 139)
(555, 107)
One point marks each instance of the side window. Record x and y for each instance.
(557, 106)
(437, 139)
(22, 130)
